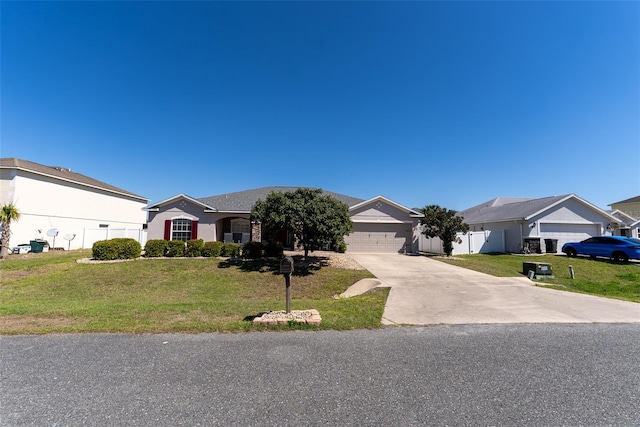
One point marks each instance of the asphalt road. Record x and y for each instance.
(551, 374)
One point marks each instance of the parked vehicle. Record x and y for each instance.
(618, 248)
(22, 248)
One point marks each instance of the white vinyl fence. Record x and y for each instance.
(474, 242)
(92, 235)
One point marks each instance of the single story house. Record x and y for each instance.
(379, 224)
(67, 209)
(516, 225)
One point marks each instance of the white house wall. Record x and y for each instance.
(46, 203)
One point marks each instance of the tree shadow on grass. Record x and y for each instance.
(272, 265)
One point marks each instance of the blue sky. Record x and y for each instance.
(449, 103)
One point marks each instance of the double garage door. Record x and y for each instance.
(568, 232)
(379, 238)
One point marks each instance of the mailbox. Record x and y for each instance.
(286, 265)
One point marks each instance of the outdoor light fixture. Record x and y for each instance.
(532, 225)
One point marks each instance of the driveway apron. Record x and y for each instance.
(425, 291)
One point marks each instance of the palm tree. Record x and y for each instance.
(8, 213)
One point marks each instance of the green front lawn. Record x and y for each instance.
(592, 276)
(50, 292)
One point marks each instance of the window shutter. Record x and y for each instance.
(167, 229)
(194, 230)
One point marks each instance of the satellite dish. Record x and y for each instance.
(53, 232)
(69, 237)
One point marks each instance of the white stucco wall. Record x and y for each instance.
(209, 223)
(45, 203)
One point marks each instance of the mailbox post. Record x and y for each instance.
(286, 268)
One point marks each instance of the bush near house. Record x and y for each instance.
(194, 247)
(212, 249)
(273, 249)
(155, 248)
(175, 248)
(230, 249)
(253, 250)
(118, 248)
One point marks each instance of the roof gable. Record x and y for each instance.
(383, 199)
(64, 174)
(382, 210)
(156, 206)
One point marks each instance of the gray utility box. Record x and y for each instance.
(540, 270)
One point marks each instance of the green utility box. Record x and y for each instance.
(540, 270)
(38, 246)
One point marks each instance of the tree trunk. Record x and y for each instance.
(4, 241)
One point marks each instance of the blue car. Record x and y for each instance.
(618, 248)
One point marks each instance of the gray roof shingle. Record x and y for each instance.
(635, 199)
(505, 209)
(64, 174)
(243, 201)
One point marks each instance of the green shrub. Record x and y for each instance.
(155, 248)
(175, 248)
(194, 247)
(118, 248)
(230, 249)
(341, 246)
(252, 250)
(212, 249)
(273, 249)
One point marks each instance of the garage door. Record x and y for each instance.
(568, 232)
(379, 238)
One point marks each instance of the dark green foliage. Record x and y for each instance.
(175, 248)
(444, 224)
(341, 246)
(155, 248)
(315, 219)
(230, 249)
(194, 247)
(273, 249)
(252, 250)
(212, 249)
(118, 248)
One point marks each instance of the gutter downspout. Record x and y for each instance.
(521, 235)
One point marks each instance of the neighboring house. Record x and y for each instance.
(379, 224)
(524, 224)
(82, 209)
(629, 206)
(629, 226)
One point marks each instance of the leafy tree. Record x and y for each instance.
(8, 214)
(314, 218)
(444, 224)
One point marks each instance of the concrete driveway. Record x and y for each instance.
(425, 291)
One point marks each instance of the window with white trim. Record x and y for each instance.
(181, 229)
